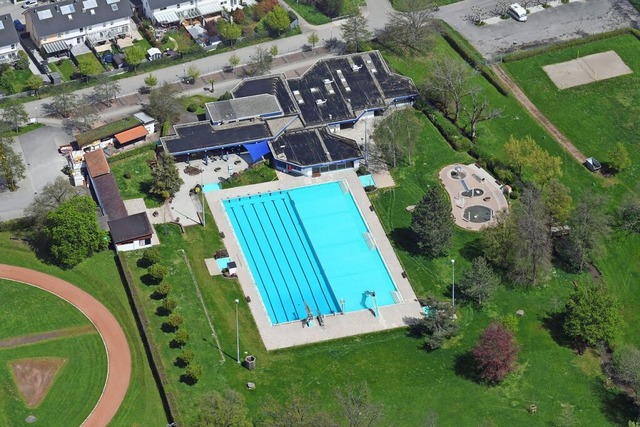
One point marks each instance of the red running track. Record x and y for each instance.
(114, 339)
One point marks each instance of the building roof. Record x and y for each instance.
(201, 136)
(274, 85)
(263, 105)
(131, 134)
(66, 15)
(106, 131)
(112, 204)
(130, 228)
(8, 34)
(158, 4)
(144, 118)
(315, 146)
(96, 163)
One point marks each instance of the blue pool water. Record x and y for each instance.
(367, 180)
(308, 246)
(211, 187)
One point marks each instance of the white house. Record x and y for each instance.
(56, 27)
(9, 40)
(175, 11)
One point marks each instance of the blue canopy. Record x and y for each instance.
(257, 150)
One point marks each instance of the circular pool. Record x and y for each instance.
(478, 214)
(458, 173)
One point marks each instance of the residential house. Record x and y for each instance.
(166, 12)
(9, 40)
(56, 27)
(121, 132)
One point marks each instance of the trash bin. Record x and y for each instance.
(250, 362)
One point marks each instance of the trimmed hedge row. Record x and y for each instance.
(517, 56)
(155, 359)
(448, 130)
(471, 56)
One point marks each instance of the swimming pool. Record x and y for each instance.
(211, 187)
(310, 247)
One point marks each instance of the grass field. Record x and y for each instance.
(255, 175)
(594, 116)
(99, 276)
(139, 181)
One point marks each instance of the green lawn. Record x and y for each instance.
(100, 277)
(308, 12)
(74, 392)
(28, 310)
(255, 175)
(199, 100)
(90, 62)
(139, 173)
(594, 116)
(65, 67)
(408, 5)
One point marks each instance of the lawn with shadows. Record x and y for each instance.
(133, 175)
(253, 175)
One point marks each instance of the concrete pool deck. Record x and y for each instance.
(476, 178)
(335, 326)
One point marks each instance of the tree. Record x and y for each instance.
(448, 85)
(52, 195)
(193, 73)
(261, 62)
(14, 114)
(234, 60)
(432, 223)
(84, 116)
(619, 157)
(88, 66)
(497, 241)
(355, 32)
(277, 20)
(545, 167)
(73, 232)
(151, 80)
(225, 409)
(496, 353)
(628, 214)
(186, 356)
(295, 411)
(477, 111)
(273, 50)
(438, 326)
(313, 39)
(34, 83)
(168, 305)
(193, 373)
(356, 403)
(175, 320)
(557, 201)
(531, 246)
(64, 104)
(591, 317)
(478, 282)
(181, 337)
(212, 82)
(134, 56)
(106, 90)
(164, 104)
(518, 152)
(589, 226)
(626, 366)
(412, 30)
(151, 256)
(12, 167)
(157, 272)
(163, 290)
(396, 135)
(22, 63)
(229, 31)
(166, 179)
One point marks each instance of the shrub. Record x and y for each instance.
(504, 175)
(157, 272)
(186, 357)
(496, 353)
(151, 255)
(192, 108)
(181, 338)
(510, 321)
(238, 16)
(163, 290)
(193, 373)
(175, 320)
(169, 305)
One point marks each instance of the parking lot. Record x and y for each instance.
(39, 150)
(561, 22)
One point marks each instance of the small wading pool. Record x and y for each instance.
(367, 181)
(478, 214)
(310, 249)
(211, 187)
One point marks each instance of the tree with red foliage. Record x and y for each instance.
(496, 353)
(238, 16)
(263, 7)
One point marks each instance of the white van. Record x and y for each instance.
(518, 12)
(27, 4)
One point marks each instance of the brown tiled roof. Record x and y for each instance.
(96, 163)
(130, 228)
(109, 196)
(131, 134)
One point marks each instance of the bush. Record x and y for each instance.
(193, 373)
(175, 320)
(168, 305)
(225, 96)
(127, 175)
(181, 338)
(238, 16)
(163, 290)
(504, 175)
(186, 357)
(157, 272)
(192, 108)
(510, 321)
(448, 130)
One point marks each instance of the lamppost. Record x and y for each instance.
(453, 283)
(36, 114)
(237, 333)
(366, 151)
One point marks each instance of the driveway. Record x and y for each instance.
(39, 150)
(562, 22)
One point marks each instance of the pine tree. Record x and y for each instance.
(432, 223)
(166, 179)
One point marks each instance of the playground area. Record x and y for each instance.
(475, 195)
(588, 69)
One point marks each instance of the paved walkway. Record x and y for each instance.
(114, 339)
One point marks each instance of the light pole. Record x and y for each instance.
(237, 333)
(366, 151)
(453, 283)
(36, 114)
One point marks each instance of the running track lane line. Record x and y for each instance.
(114, 339)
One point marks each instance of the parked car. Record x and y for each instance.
(27, 4)
(19, 25)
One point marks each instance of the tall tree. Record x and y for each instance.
(296, 410)
(35, 83)
(438, 326)
(134, 56)
(12, 167)
(396, 135)
(73, 231)
(277, 20)
(497, 241)
(14, 114)
(545, 167)
(164, 104)
(52, 195)
(478, 110)
(628, 214)
(227, 409)
(106, 90)
(479, 281)
(557, 201)
(432, 223)
(166, 179)
(261, 61)
(355, 32)
(448, 85)
(410, 31)
(591, 317)
(518, 152)
(532, 243)
(619, 157)
(229, 31)
(64, 104)
(84, 116)
(356, 403)
(496, 353)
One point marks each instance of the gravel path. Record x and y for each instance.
(45, 336)
(114, 339)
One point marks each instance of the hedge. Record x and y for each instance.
(517, 56)
(471, 56)
(448, 130)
